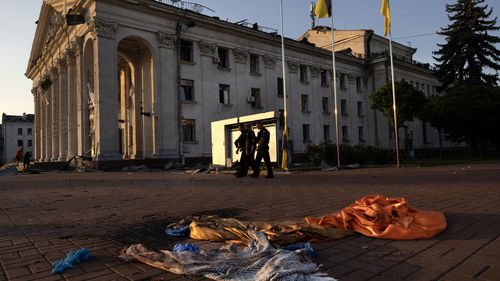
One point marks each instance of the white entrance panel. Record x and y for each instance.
(225, 132)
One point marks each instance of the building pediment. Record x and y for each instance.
(60, 6)
(48, 23)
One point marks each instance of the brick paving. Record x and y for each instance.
(44, 216)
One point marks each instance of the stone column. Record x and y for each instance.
(106, 88)
(36, 124)
(54, 130)
(41, 125)
(165, 106)
(71, 120)
(63, 109)
(81, 98)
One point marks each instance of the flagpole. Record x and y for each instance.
(394, 108)
(335, 95)
(284, 158)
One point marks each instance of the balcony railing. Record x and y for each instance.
(195, 7)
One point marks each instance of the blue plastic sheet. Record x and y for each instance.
(193, 248)
(302, 246)
(72, 258)
(178, 231)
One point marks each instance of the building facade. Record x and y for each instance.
(143, 79)
(17, 133)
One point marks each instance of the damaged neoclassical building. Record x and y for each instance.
(122, 80)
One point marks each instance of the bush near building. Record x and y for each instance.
(364, 155)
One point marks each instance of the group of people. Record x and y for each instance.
(24, 157)
(248, 144)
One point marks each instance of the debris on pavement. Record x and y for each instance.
(72, 258)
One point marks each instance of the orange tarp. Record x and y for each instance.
(382, 217)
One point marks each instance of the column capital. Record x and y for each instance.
(54, 72)
(102, 28)
(269, 62)
(207, 49)
(240, 55)
(293, 66)
(76, 45)
(166, 40)
(62, 63)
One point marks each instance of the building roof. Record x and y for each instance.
(25, 118)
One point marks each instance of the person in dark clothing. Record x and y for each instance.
(19, 155)
(241, 146)
(250, 145)
(26, 160)
(262, 141)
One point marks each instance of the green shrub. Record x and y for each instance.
(364, 155)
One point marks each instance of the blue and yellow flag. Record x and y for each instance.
(385, 11)
(323, 9)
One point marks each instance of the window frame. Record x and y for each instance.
(343, 107)
(254, 64)
(324, 78)
(223, 94)
(186, 50)
(191, 135)
(223, 55)
(306, 133)
(303, 75)
(183, 91)
(325, 105)
(256, 94)
(304, 103)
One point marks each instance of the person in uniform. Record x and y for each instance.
(241, 146)
(262, 141)
(250, 145)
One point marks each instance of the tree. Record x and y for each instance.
(410, 102)
(468, 48)
(467, 113)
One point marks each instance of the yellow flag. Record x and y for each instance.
(385, 11)
(323, 9)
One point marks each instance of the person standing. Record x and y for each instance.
(262, 152)
(250, 145)
(19, 155)
(26, 160)
(241, 146)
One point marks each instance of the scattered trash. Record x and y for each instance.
(193, 248)
(326, 167)
(71, 259)
(138, 168)
(172, 166)
(353, 166)
(8, 170)
(192, 172)
(302, 246)
(79, 164)
(178, 231)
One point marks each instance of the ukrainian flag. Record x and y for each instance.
(385, 11)
(323, 9)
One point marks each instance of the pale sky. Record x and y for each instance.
(413, 23)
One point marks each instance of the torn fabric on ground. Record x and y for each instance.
(259, 261)
(213, 228)
(381, 217)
